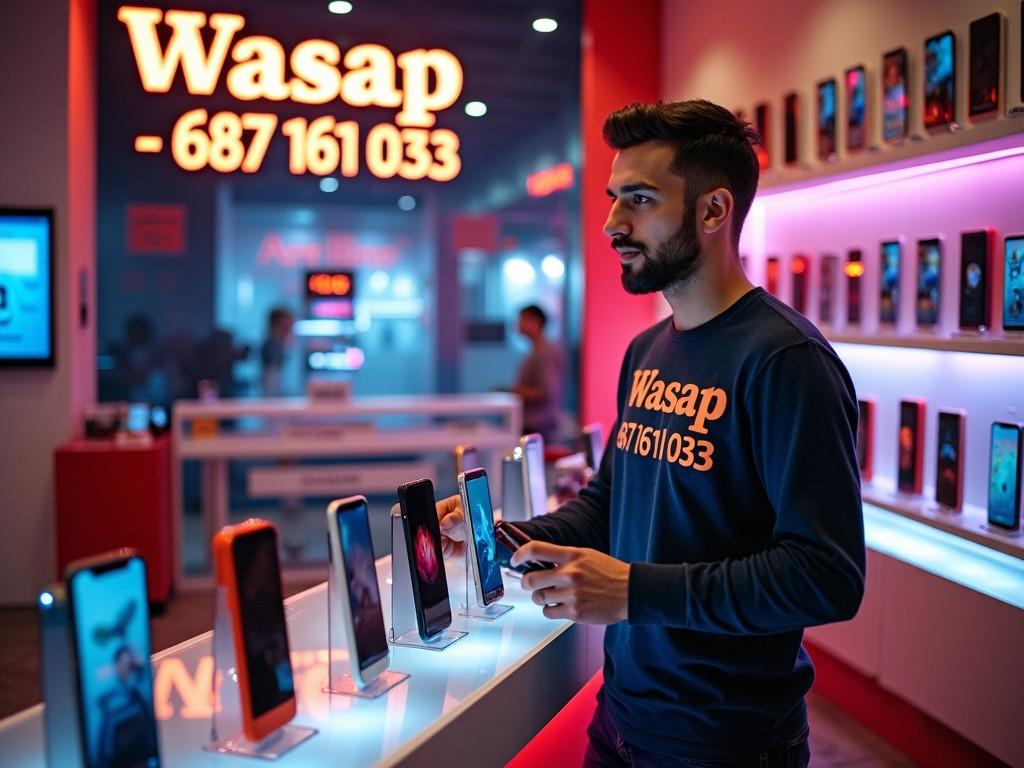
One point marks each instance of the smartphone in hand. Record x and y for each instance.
(511, 537)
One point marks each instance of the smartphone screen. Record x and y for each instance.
(1013, 284)
(533, 459)
(110, 614)
(792, 103)
(827, 290)
(929, 278)
(363, 592)
(983, 84)
(856, 108)
(895, 99)
(939, 80)
(909, 447)
(1004, 476)
(798, 266)
(974, 293)
(761, 117)
(865, 438)
(423, 538)
(261, 615)
(889, 300)
(137, 418)
(826, 119)
(772, 275)
(478, 496)
(854, 274)
(948, 480)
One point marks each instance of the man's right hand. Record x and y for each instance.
(453, 526)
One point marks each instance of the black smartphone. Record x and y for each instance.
(986, 71)
(940, 80)
(827, 119)
(109, 610)
(762, 118)
(866, 438)
(1013, 283)
(1004, 479)
(792, 123)
(593, 445)
(854, 274)
(889, 276)
(895, 96)
(827, 289)
(798, 267)
(426, 560)
(929, 280)
(476, 504)
(511, 538)
(856, 108)
(910, 470)
(949, 469)
(772, 275)
(975, 257)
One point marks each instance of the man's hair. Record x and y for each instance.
(713, 148)
(534, 311)
(278, 315)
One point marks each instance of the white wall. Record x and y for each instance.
(36, 406)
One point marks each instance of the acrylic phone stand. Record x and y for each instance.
(341, 659)
(226, 735)
(61, 717)
(471, 606)
(403, 605)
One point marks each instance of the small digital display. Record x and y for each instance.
(983, 82)
(854, 274)
(1013, 284)
(26, 301)
(908, 447)
(947, 474)
(974, 280)
(478, 496)
(363, 591)
(1004, 476)
(856, 108)
(939, 80)
(895, 99)
(889, 300)
(929, 281)
(826, 119)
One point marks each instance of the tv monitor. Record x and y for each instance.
(26, 287)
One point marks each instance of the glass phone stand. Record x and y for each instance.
(341, 659)
(471, 606)
(226, 734)
(403, 604)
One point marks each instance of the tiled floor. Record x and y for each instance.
(837, 741)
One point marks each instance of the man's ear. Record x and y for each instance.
(716, 209)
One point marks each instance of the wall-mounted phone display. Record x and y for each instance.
(856, 80)
(895, 96)
(940, 80)
(889, 294)
(826, 121)
(985, 79)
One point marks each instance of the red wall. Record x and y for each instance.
(621, 65)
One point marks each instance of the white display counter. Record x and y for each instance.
(485, 696)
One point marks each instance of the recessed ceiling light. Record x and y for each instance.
(476, 108)
(329, 184)
(407, 202)
(545, 25)
(339, 6)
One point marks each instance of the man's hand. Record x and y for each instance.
(453, 526)
(587, 586)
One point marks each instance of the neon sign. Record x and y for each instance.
(550, 180)
(330, 284)
(313, 72)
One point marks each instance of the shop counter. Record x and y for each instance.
(485, 696)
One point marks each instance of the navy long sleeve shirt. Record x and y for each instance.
(730, 484)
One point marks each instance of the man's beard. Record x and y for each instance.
(674, 262)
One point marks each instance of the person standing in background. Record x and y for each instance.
(541, 377)
(279, 336)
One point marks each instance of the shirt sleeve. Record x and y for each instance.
(802, 413)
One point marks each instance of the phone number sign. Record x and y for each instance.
(314, 72)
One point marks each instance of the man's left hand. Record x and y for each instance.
(586, 586)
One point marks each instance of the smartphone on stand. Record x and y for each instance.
(792, 118)
(866, 438)
(854, 276)
(247, 566)
(940, 81)
(426, 559)
(1013, 283)
(511, 538)
(827, 289)
(856, 108)
(827, 120)
(1004, 481)
(910, 450)
(798, 267)
(889, 298)
(949, 469)
(762, 116)
(356, 589)
(535, 487)
(475, 495)
(929, 281)
(987, 72)
(896, 99)
(593, 445)
(975, 261)
(108, 606)
(771, 266)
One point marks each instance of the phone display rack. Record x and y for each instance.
(226, 735)
(403, 630)
(61, 718)
(471, 606)
(341, 659)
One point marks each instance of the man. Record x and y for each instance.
(726, 514)
(539, 382)
(279, 336)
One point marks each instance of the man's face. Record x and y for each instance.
(651, 228)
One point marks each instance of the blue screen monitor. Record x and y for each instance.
(26, 287)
